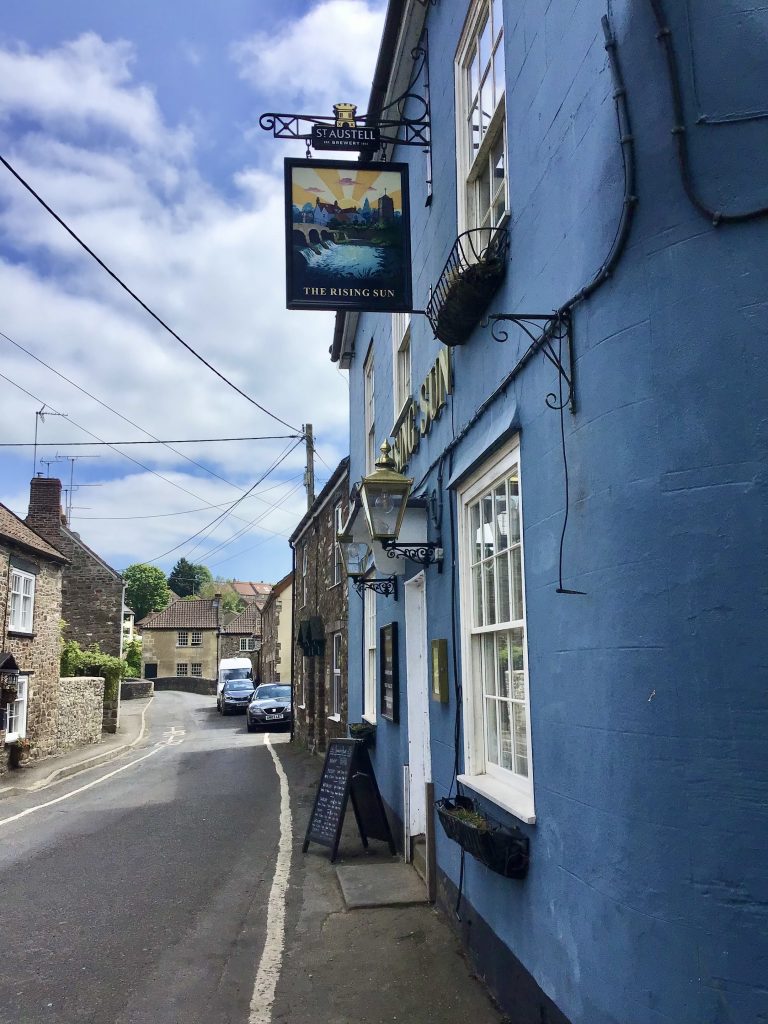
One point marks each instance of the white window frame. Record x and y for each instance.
(196, 665)
(21, 615)
(16, 711)
(196, 638)
(401, 361)
(470, 166)
(371, 650)
(247, 644)
(512, 791)
(182, 642)
(338, 523)
(335, 687)
(182, 668)
(369, 403)
(305, 575)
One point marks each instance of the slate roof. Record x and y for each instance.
(246, 623)
(17, 532)
(183, 615)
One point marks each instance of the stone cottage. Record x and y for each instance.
(182, 640)
(320, 622)
(30, 596)
(276, 619)
(241, 638)
(92, 591)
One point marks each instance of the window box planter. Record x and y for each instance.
(501, 849)
(364, 731)
(473, 271)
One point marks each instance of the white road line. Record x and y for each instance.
(272, 955)
(82, 789)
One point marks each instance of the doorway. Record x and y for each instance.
(417, 684)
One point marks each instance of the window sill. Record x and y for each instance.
(334, 718)
(22, 632)
(517, 804)
(371, 719)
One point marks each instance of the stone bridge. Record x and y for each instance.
(312, 234)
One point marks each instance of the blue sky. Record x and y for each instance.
(138, 123)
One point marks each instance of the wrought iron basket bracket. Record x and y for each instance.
(552, 334)
(390, 121)
(427, 553)
(387, 586)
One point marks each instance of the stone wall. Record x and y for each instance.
(81, 701)
(326, 599)
(132, 689)
(229, 647)
(92, 592)
(186, 684)
(37, 654)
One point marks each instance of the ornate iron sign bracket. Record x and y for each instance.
(386, 586)
(365, 133)
(550, 333)
(427, 553)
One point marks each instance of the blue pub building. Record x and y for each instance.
(579, 652)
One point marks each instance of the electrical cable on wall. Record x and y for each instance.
(680, 131)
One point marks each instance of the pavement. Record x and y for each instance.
(39, 774)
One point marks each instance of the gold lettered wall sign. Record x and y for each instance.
(348, 244)
(440, 671)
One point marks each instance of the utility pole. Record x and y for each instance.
(309, 473)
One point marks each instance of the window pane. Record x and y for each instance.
(484, 192)
(506, 759)
(521, 739)
(27, 587)
(500, 501)
(498, 72)
(489, 666)
(517, 585)
(484, 45)
(488, 539)
(502, 662)
(477, 594)
(486, 106)
(474, 525)
(489, 592)
(518, 664)
(475, 135)
(491, 731)
(497, 18)
(472, 79)
(514, 508)
(502, 587)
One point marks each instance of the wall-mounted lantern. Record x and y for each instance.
(357, 556)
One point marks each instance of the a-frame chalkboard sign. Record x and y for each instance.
(347, 775)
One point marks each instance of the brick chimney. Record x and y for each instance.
(45, 514)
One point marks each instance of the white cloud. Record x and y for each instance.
(325, 57)
(210, 265)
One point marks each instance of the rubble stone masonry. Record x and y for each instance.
(80, 711)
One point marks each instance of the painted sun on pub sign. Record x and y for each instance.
(347, 236)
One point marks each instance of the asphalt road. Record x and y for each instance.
(142, 899)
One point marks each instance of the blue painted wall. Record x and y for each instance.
(646, 900)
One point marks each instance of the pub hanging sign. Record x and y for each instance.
(345, 134)
(347, 236)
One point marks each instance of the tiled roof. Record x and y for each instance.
(251, 591)
(183, 614)
(278, 588)
(15, 530)
(247, 622)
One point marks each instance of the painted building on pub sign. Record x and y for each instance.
(587, 660)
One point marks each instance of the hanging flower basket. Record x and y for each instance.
(475, 268)
(501, 849)
(365, 731)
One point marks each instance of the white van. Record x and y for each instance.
(232, 668)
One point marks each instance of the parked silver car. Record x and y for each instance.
(270, 706)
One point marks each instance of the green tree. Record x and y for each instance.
(132, 657)
(230, 599)
(187, 578)
(146, 589)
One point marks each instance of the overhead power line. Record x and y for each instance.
(125, 455)
(186, 440)
(140, 301)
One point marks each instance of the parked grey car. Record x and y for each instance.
(235, 695)
(270, 706)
